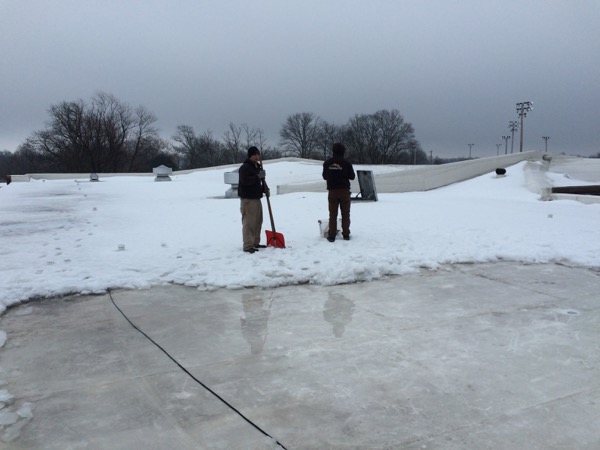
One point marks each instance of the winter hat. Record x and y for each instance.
(338, 149)
(253, 151)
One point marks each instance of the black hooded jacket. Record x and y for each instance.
(338, 172)
(250, 185)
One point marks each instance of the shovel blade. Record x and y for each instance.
(275, 239)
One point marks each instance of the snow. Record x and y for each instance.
(76, 236)
(70, 236)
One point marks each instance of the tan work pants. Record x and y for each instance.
(252, 219)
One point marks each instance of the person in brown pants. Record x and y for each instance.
(338, 172)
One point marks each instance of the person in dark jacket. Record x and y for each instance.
(250, 190)
(338, 172)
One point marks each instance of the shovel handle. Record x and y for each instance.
(271, 215)
(266, 188)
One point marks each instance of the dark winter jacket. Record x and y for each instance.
(338, 172)
(250, 185)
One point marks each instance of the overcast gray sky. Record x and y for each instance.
(455, 69)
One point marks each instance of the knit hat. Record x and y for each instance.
(253, 151)
(338, 149)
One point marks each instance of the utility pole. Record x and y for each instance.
(522, 109)
(513, 126)
(545, 138)
(498, 149)
(470, 145)
(506, 138)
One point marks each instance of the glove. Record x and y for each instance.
(262, 174)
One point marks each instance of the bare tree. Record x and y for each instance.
(188, 148)
(232, 142)
(270, 152)
(360, 137)
(63, 142)
(382, 138)
(29, 159)
(300, 134)
(254, 137)
(211, 150)
(330, 134)
(106, 135)
(237, 139)
(7, 165)
(109, 124)
(145, 143)
(198, 150)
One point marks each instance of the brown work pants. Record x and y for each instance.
(252, 219)
(339, 198)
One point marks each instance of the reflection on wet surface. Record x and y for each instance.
(254, 322)
(338, 311)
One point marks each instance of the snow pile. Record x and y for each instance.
(75, 236)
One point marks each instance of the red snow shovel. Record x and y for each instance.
(274, 239)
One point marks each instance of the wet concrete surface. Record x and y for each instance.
(486, 356)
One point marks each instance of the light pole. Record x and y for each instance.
(470, 145)
(506, 138)
(513, 126)
(498, 149)
(522, 109)
(545, 138)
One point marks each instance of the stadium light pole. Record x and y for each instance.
(506, 138)
(498, 149)
(545, 138)
(470, 145)
(513, 126)
(522, 109)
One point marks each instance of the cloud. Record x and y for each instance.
(454, 70)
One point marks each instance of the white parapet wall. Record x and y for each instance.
(75, 176)
(424, 178)
(419, 178)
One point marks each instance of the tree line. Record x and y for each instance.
(108, 135)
